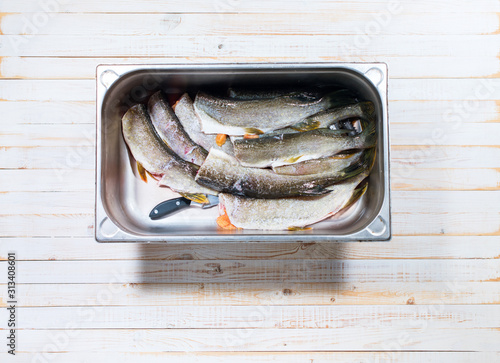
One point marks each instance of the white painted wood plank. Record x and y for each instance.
(383, 338)
(471, 224)
(47, 90)
(70, 180)
(50, 180)
(434, 156)
(249, 24)
(445, 179)
(191, 271)
(449, 89)
(443, 112)
(78, 136)
(420, 202)
(244, 45)
(61, 160)
(48, 202)
(444, 134)
(262, 293)
(50, 112)
(399, 66)
(267, 357)
(258, 317)
(399, 90)
(259, 6)
(47, 225)
(400, 247)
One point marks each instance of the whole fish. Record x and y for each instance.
(172, 132)
(290, 148)
(333, 116)
(240, 117)
(338, 118)
(223, 173)
(291, 213)
(188, 118)
(154, 156)
(331, 164)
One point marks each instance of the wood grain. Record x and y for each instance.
(191, 271)
(429, 295)
(384, 338)
(96, 45)
(259, 6)
(260, 293)
(260, 317)
(248, 24)
(421, 66)
(400, 247)
(251, 357)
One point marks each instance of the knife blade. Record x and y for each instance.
(171, 206)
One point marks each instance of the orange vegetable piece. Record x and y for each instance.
(175, 104)
(224, 222)
(220, 139)
(250, 136)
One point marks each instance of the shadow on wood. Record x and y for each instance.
(245, 262)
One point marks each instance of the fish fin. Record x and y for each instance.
(315, 191)
(306, 125)
(253, 130)
(196, 197)
(299, 228)
(358, 192)
(293, 159)
(142, 172)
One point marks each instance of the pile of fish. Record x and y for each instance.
(276, 159)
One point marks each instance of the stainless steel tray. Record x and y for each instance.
(123, 200)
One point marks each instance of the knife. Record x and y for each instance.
(171, 206)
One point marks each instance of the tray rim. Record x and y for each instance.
(106, 231)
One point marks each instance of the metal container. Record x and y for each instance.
(123, 200)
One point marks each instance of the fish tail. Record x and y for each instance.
(368, 109)
(365, 162)
(340, 97)
(368, 136)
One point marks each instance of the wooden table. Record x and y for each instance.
(432, 294)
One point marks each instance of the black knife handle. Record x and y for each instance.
(169, 207)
